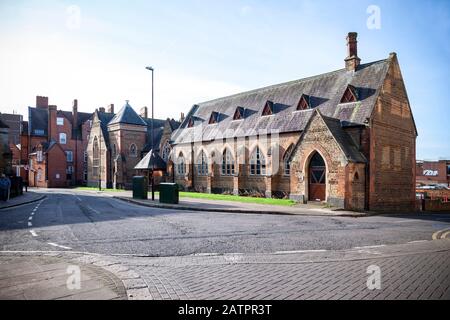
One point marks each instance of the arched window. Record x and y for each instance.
(62, 138)
(95, 157)
(133, 150)
(227, 163)
(166, 151)
(287, 160)
(181, 165)
(257, 163)
(202, 164)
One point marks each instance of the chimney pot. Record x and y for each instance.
(144, 112)
(352, 61)
(182, 117)
(111, 108)
(41, 102)
(101, 109)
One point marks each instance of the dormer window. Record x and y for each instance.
(214, 118)
(190, 123)
(350, 95)
(268, 108)
(303, 104)
(238, 114)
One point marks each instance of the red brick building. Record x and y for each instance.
(433, 173)
(118, 141)
(346, 137)
(54, 145)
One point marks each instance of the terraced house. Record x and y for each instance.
(53, 142)
(346, 137)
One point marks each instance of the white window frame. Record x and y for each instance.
(227, 166)
(257, 163)
(202, 165)
(60, 121)
(181, 165)
(39, 156)
(62, 138)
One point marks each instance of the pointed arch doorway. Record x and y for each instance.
(317, 178)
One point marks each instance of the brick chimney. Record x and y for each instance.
(144, 112)
(182, 117)
(52, 129)
(352, 61)
(75, 112)
(41, 102)
(101, 109)
(111, 108)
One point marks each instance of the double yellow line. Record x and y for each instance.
(441, 234)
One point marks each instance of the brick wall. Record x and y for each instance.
(317, 138)
(392, 141)
(241, 150)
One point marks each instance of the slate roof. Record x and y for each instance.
(128, 115)
(38, 120)
(152, 160)
(3, 125)
(344, 140)
(105, 119)
(157, 135)
(325, 92)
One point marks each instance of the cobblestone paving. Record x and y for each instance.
(409, 275)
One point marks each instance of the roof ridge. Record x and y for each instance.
(287, 83)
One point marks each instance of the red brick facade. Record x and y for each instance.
(62, 136)
(366, 142)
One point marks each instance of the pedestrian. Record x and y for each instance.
(26, 185)
(5, 185)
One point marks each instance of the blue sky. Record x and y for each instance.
(207, 49)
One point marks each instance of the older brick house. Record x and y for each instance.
(119, 141)
(50, 132)
(346, 137)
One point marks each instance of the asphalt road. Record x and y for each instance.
(82, 221)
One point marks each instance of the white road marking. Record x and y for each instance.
(59, 246)
(30, 224)
(32, 213)
(299, 251)
(369, 247)
(418, 241)
(30, 218)
(369, 251)
(33, 233)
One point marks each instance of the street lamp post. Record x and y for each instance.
(151, 133)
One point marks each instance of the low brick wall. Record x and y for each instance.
(437, 205)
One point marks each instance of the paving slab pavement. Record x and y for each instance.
(48, 277)
(25, 198)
